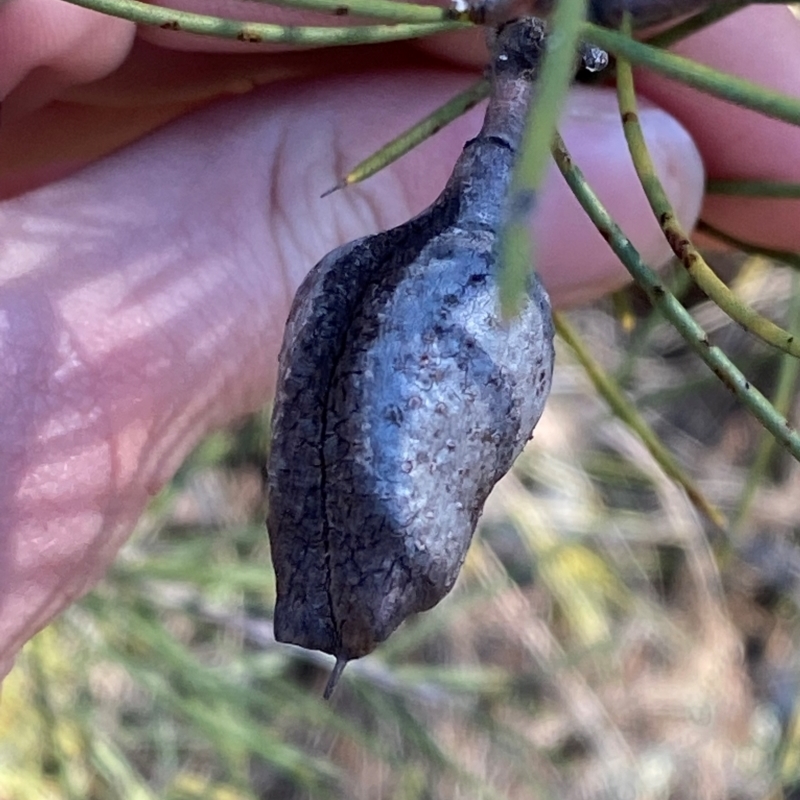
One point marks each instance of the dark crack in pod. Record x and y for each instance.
(403, 396)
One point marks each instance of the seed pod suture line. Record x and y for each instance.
(403, 396)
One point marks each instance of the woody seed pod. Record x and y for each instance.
(404, 396)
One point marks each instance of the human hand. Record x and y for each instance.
(142, 297)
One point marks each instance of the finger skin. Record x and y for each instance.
(153, 87)
(48, 45)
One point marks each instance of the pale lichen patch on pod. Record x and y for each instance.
(403, 396)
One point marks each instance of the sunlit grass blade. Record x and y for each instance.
(789, 758)
(60, 737)
(257, 32)
(558, 69)
(689, 256)
(660, 297)
(612, 393)
(111, 763)
(415, 135)
(713, 82)
(623, 310)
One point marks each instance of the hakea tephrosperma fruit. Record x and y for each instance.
(404, 395)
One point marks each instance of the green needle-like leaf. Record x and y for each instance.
(678, 238)
(257, 32)
(718, 84)
(558, 69)
(415, 135)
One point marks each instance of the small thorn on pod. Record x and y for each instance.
(336, 673)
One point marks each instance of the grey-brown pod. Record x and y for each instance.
(403, 396)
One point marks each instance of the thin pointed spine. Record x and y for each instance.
(258, 32)
(335, 188)
(415, 135)
(697, 339)
(678, 239)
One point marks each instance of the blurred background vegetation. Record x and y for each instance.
(603, 641)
